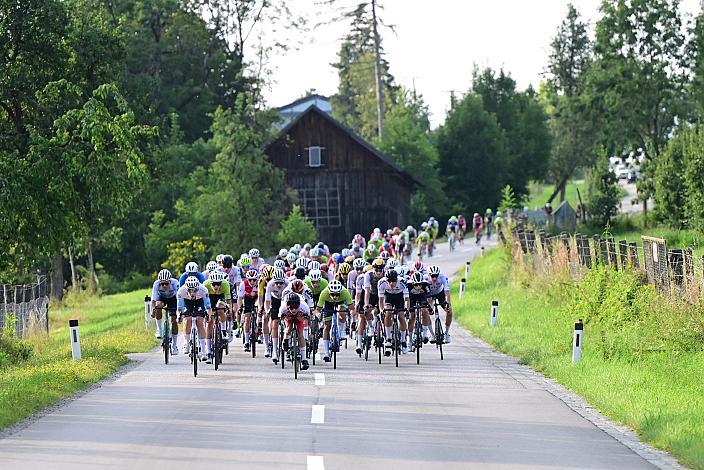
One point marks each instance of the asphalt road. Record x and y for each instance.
(469, 411)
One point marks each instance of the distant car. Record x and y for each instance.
(632, 176)
(621, 172)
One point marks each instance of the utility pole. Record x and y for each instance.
(377, 72)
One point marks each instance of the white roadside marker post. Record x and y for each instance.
(466, 270)
(494, 312)
(482, 251)
(147, 312)
(75, 339)
(578, 340)
(463, 282)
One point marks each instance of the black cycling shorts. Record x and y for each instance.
(395, 300)
(418, 299)
(441, 299)
(275, 307)
(249, 304)
(171, 304)
(194, 308)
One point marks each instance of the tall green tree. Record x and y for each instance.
(473, 156)
(570, 122)
(524, 121)
(408, 140)
(636, 84)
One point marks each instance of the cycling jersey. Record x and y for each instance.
(306, 295)
(224, 289)
(273, 291)
(328, 303)
(385, 288)
(419, 293)
(233, 276)
(438, 285)
(184, 276)
(189, 300)
(160, 293)
(300, 312)
(261, 289)
(352, 281)
(371, 281)
(316, 290)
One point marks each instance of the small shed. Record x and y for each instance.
(565, 218)
(344, 184)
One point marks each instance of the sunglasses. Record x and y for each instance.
(164, 284)
(334, 295)
(279, 283)
(433, 276)
(216, 284)
(192, 290)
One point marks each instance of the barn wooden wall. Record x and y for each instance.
(372, 193)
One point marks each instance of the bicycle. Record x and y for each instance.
(417, 337)
(378, 334)
(451, 240)
(218, 343)
(253, 330)
(166, 338)
(313, 338)
(439, 339)
(335, 334)
(193, 352)
(396, 333)
(293, 350)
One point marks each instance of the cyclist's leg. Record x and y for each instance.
(157, 314)
(265, 331)
(186, 333)
(388, 327)
(200, 325)
(247, 319)
(327, 326)
(425, 319)
(300, 326)
(274, 314)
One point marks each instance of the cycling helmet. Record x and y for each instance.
(307, 246)
(293, 300)
(488, 211)
(418, 266)
(344, 268)
(192, 282)
(337, 258)
(359, 263)
(268, 271)
(396, 230)
(211, 266)
(431, 219)
(254, 253)
(218, 259)
(375, 238)
(302, 262)
(417, 278)
(345, 252)
(367, 268)
(424, 225)
(377, 230)
(453, 219)
(164, 275)
(227, 261)
(434, 270)
(384, 255)
(378, 264)
(392, 275)
(386, 246)
(315, 275)
(244, 261)
(217, 276)
(252, 274)
(402, 270)
(279, 264)
(389, 232)
(297, 286)
(498, 213)
(192, 267)
(409, 228)
(300, 273)
(391, 263)
(291, 257)
(313, 265)
(279, 275)
(349, 260)
(371, 249)
(335, 287)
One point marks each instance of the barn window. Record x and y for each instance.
(321, 205)
(315, 156)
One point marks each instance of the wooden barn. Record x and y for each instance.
(344, 184)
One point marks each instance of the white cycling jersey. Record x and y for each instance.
(439, 285)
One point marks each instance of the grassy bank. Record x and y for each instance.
(643, 356)
(539, 194)
(110, 326)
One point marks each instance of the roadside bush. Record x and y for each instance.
(13, 351)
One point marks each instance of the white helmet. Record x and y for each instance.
(279, 264)
(403, 270)
(217, 276)
(434, 270)
(391, 263)
(297, 247)
(409, 228)
(291, 257)
(253, 253)
(218, 258)
(164, 275)
(315, 275)
(279, 275)
(211, 266)
(335, 287)
(302, 262)
(358, 263)
(345, 252)
(314, 265)
(192, 282)
(283, 252)
(192, 267)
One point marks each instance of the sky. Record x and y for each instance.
(435, 46)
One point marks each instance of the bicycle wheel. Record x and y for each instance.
(253, 338)
(194, 353)
(379, 344)
(334, 344)
(217, 339)
(395, 343)
(418, 342)
(166, 340)
(366, 345)
(295, 352)
(439, 335)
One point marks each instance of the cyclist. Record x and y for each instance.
(371, 293)
(164, 297)
(370, 253)
(296, 310)
(433, 230)
(220, 296)
(440, 291)
(234, 278)
(488, 223)
(422, 242)
(249, 295)
(316, 283)
(499, 225)
(452, 229)
(191, 270)
(393, 294)
(192, 298)
(272, 304)
(254, 259)
(477, 225)
(419, 293)
(462, 229)
(343, 273)
(332, 296)
(210, 267)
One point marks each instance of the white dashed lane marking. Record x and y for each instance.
(319, 380)
(317, 415)
(315, 462)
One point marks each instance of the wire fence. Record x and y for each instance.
(673, 271)
(24, 308)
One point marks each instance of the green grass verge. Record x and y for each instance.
(109, 326)
(641, 370)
